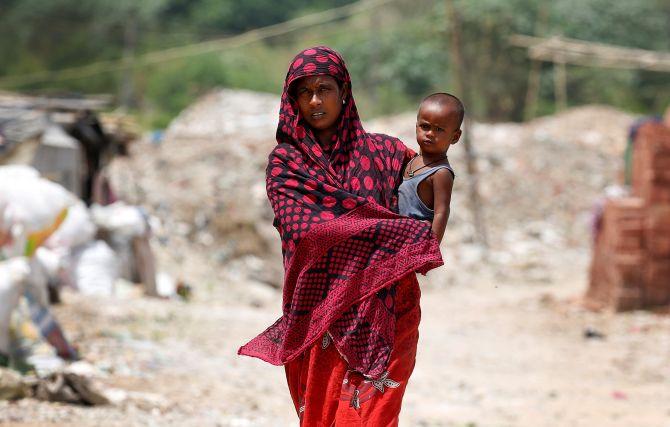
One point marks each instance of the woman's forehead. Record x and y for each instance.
(311, 81)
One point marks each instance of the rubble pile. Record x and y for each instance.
(201, 189)
(538, 181)
(50, 240)
(205, 181)
(631, 259)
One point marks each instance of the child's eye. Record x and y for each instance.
(424, 127)
(440, 130)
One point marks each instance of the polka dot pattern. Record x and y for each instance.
(310, 188)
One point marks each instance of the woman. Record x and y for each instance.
(349, 328)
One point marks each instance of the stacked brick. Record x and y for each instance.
(631, 258)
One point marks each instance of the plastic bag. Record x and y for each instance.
(95, 269)
(77, 229)
(121, 219)
(13, 273)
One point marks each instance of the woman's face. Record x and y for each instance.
(319, 101)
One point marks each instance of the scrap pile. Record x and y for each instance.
(205, 181)
(68, 140)
(631, 260)
(61, 226)
(49, 239)
(537, 182)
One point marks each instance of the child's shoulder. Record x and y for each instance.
(447, 172)
(442, 180)
(444, 173)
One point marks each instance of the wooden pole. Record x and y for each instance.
(533, 91)
(127, 89)
(590, 54)
(463, 90)
(560, 84)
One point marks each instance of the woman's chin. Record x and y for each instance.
(321, 124)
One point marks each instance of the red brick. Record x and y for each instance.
(625, 212)
(626, 270)
(628, 299)
(657, 273)
(623, 225)
(658, 244)
(658, 176)
(653, 136)
(661, 162)
(631, 260)
(658, 218)
(651, 161)
(657, 195)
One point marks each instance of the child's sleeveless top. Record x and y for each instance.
(409, 203)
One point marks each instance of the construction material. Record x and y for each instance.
(585, 53)
(631, 259)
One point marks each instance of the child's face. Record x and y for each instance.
(437, 127)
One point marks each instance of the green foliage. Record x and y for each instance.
(396, 67)
(172, 87)
(396, 54)
(639, 24)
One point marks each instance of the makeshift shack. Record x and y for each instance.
(64, 139)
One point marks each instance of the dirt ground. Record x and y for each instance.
(490, 354)
(502, 337)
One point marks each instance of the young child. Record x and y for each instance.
(428, 178)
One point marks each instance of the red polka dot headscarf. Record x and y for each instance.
(343, 245)
(311, 62)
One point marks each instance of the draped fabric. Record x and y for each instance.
(326, 393)
(344, 247)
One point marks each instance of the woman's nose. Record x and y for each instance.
(315, 100)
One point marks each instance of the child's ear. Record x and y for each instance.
(457, 136)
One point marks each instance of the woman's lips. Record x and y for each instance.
(318, 115)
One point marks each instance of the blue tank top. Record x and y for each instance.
(409, 203)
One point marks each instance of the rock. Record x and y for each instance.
(11, 385)
(69, 388)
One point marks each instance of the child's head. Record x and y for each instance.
(438, 123)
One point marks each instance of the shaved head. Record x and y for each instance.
(444, 99)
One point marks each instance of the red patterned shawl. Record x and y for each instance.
(344, 249)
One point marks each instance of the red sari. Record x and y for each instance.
(326, 393)
(348, 259)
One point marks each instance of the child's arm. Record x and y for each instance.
(443, 182)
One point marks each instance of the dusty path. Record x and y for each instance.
(501, 345)
(490, 355)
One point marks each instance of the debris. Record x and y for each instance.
(630, 266)
(619, 395)
(13, 273)
(95, 269)
(591, 333)
(69, 388)
(11, 385)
